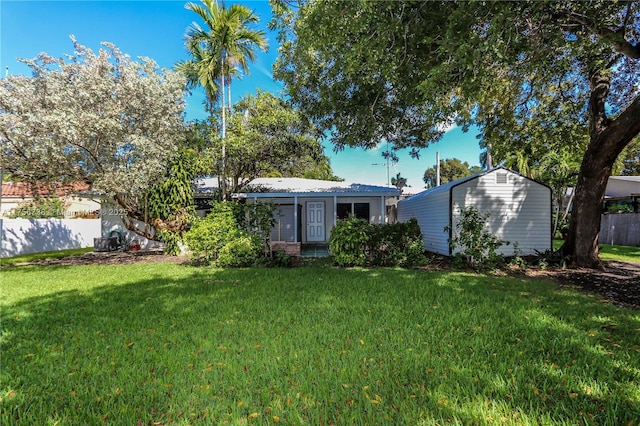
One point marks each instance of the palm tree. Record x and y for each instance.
(220, 50)
(399, 182)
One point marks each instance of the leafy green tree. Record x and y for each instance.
(267, 137)
(365, 71)
(221, 49)
(102, 119)
(450, 169)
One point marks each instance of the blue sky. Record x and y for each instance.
(156, 29)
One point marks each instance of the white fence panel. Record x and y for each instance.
(24, 236)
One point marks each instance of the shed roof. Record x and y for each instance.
(287, 187)
(446, 187)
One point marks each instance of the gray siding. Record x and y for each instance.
(520, 209)
(432, 213)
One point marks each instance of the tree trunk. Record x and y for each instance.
(582, 240)
(607, 140)
(224, 137)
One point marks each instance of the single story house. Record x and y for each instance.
(623, 186)
(622, 194)
(519, 209)
(308, 209)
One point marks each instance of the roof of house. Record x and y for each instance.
(206, 185)
(622, 186)
(27, 190)
(280, 187)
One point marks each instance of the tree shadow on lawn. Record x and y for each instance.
(204, 346)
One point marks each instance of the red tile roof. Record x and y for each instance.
(25, 190)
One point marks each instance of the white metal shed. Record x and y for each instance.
(519, 208)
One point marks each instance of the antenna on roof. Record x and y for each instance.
(6, 72)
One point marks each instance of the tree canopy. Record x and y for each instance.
(450, 169)
(525, 73)
(266, 137)
(102, 119)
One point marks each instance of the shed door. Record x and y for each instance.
(315, 221)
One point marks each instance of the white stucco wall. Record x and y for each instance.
(24, 236)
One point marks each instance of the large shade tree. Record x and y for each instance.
(220, 49)
(402, 71)
(98, 118)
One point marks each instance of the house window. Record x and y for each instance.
(359, 210)
(343, 210)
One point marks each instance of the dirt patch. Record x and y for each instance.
(110, 258)
(618, 282)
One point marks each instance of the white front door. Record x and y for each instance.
(315, 221)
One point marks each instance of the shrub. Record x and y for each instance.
(209, 235)
(396, 244)
(231, 235)
(478, 247)
(355, 242)
(349, 241)
(239, 252)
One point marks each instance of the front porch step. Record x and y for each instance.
(315, 250)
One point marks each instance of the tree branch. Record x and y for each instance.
(615, 37)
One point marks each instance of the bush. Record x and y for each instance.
(478, 247)
(239, 252)
(349, 241)
(355, 242)
(396, 244)
(232, 235)
(209, 235)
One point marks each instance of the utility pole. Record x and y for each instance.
(437, 168)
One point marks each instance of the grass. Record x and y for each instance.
(48, 255)
(629, 254)
(620, 253)
(164, 343)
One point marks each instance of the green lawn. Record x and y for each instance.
(166, 343)
(629, 254)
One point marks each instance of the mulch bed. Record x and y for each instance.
(617, 282)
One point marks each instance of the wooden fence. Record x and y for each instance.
(621, 229)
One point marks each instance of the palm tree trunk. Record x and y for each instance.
(224, 137)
